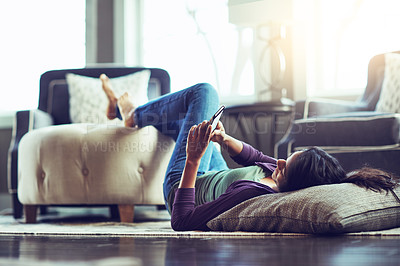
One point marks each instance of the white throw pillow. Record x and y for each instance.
(389, 100)
(88, 103)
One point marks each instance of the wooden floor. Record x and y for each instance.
(36, 250)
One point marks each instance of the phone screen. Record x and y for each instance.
(214, 120)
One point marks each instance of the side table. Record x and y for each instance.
(260, 124)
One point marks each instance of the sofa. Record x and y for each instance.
(357, 133)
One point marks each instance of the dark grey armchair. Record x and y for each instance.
(53, 109)
(353, 132)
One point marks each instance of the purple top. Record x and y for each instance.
(186, 216)
(250, 156)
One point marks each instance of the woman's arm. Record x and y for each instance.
(185, 216)
(197, 143)
(242, 153)
(229, 143)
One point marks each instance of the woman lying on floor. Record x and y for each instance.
(198, 185)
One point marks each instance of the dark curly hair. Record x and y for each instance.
(314, 166)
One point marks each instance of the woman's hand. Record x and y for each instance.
(228, 143)
(197, 141)
(219, 134)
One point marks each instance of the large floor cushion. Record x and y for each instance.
(93, 164)
(339, 208)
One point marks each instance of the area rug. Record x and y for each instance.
(149, 222)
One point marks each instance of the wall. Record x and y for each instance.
(108, 22)
(99, 31)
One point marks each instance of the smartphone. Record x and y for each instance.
(215, 118)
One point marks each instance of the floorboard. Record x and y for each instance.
(339, 250)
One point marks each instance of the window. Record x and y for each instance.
(37, 36)
(194, 42)
(345, 35)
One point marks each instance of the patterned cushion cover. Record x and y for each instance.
(339, 208)
(88, 102)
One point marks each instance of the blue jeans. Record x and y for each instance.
(173, 115)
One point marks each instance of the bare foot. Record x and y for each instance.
(112, 99)
(127, 109)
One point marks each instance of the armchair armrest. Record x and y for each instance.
(27, 120)
(39, 118)
(321, 107)
(24, 121)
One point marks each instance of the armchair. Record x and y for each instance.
(356, 133)
(54, 162)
